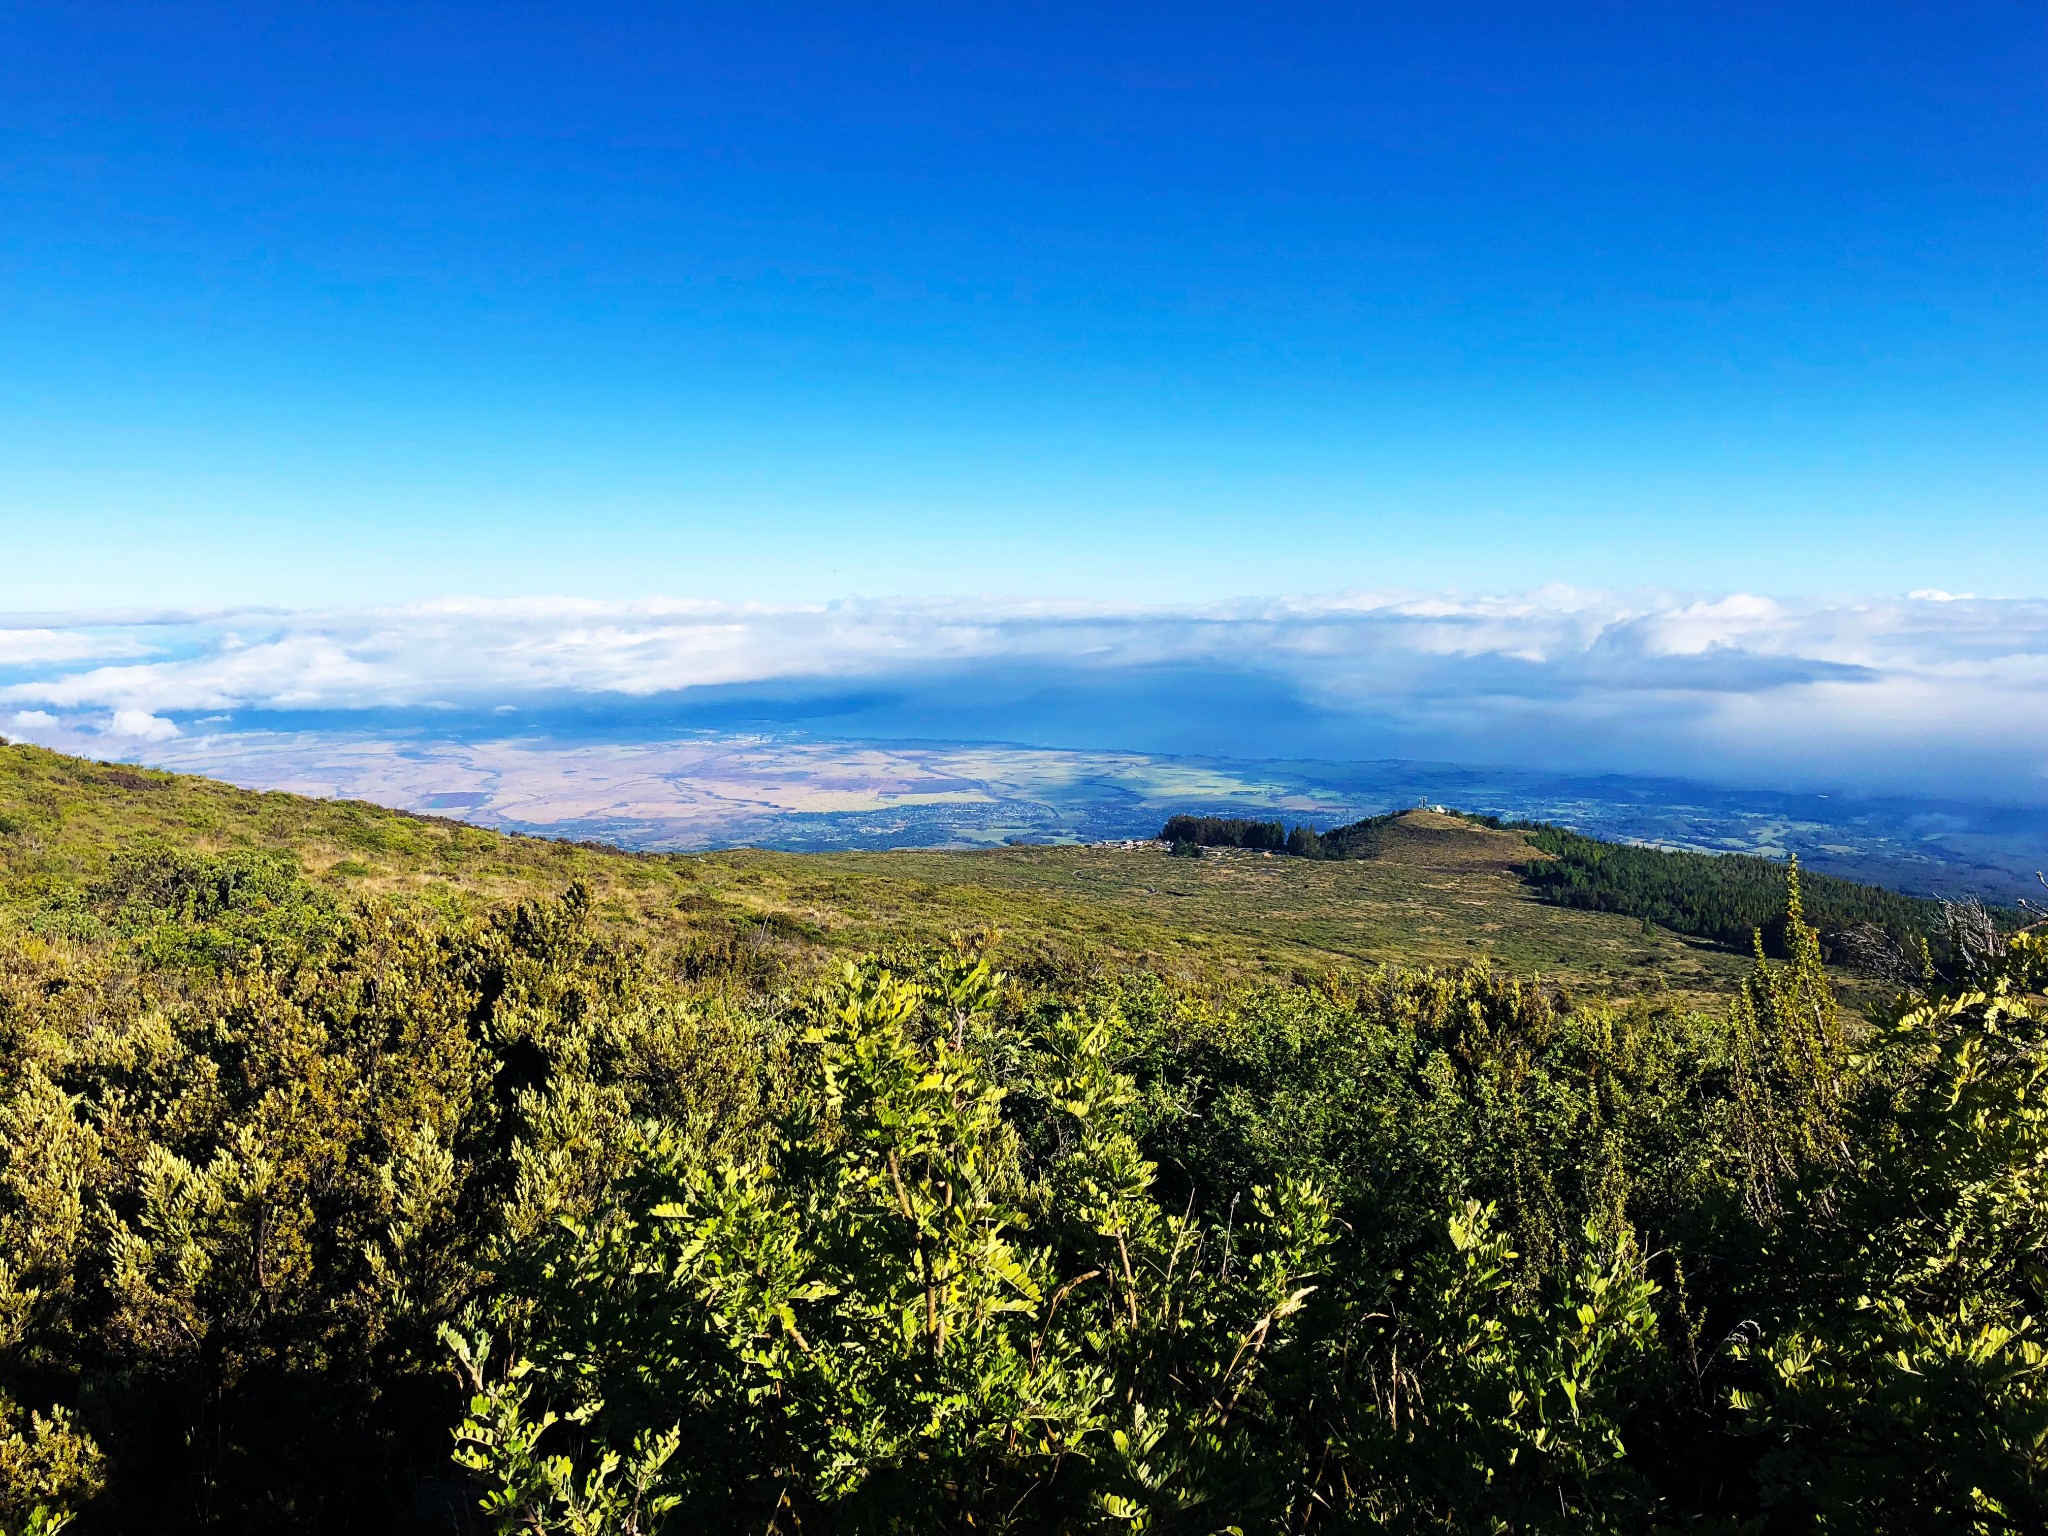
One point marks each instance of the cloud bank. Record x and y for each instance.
(1928, 693)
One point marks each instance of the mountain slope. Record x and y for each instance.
(1443, 890)
(322, 1158)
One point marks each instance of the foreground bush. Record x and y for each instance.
(337, 1219)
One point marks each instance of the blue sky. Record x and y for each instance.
(318, 305)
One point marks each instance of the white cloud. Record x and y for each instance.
(1863, 691)
(139, 725)
(41, 647)
(34, 720)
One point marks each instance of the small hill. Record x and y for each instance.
(1728, 899)
(1428, 839)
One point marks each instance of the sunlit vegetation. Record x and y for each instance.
(567, 1192)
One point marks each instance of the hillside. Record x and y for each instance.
(365, 1174)
(1728, 899)
(1441, 890)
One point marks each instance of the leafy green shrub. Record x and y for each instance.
(212, 911)
(896, 1317)
(47, 1468)
(1900, 1362)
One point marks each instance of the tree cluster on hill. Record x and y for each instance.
(298, 1195)
(1225, 832)
(1725, 897)
(1361, 839)
(1358, 840)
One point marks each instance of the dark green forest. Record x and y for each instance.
(1356, 840)
(1725, 897)
(1225, 832)
(350, 1212)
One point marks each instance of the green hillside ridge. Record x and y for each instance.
(1446, 893)
(1726, 898)
(364, 1172)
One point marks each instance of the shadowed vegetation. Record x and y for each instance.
(1722, 897)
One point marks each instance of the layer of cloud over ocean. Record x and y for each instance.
(1928, 694)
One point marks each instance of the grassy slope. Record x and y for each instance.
(1441, 891)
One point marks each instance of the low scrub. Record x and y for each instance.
(338, 1216)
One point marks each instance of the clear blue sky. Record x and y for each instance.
(315, 304)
